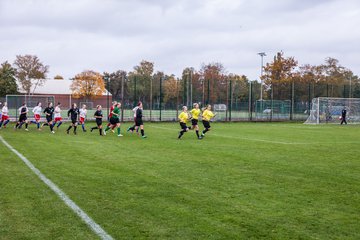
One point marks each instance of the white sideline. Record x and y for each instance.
(71, 204)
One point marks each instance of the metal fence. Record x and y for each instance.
(233, 101)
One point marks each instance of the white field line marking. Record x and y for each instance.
(263, 140)
(71, 204)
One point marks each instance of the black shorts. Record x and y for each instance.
(114, 121)
(74, 121)
(22, 118)
(206, 124)
(194, 122)
(183, 126)
(98, 123)
(49, 119)
(138, 122)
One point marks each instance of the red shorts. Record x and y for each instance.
(37, 117)
(82, 120)
(58, 119)
(4, 117)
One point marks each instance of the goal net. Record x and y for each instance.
(328, 110)
(15, 101)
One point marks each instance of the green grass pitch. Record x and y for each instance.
(242, 181)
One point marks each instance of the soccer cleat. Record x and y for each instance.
(91, 130)
(52, 132)
(120, 135)
(84, 130)
(144, 136)
(112, 130)
(67, 131)
(200, 137)
(26, 129)
(74, 133)
(128, 129)
(104, 133)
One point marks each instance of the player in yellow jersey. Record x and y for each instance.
(207, 115)
(183, 118)
(195, 113)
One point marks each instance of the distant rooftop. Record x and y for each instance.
(54, 87)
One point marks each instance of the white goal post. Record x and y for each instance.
(328, 110)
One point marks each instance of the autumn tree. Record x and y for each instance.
(8, 83)
(88, 84)
(278, 76)
(213, 78)
(141, 79)
(58, 77)
(30, 72)
(118, 84)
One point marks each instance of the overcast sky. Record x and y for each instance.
(107, 35)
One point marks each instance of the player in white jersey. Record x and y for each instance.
(132, 129)
(4, 115)
(57, 116)
(37, 112)
(83, 113)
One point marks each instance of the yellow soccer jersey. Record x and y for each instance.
(183, 117)
(207, 115)
(195, 113)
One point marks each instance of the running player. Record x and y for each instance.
(57, 116)
(139, 121)
(4, 115)
(49, 111)
(83, 113)
(195, 112)
(183, 118)
(207, 115)
(115, 120)
(98, 115)
(132, 129)
(73, 114)
(37, 112)
(23, 111)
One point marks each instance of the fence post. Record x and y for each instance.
(272, 102)
(309, 98)
(250, 101)
(122, 98)
(160, 103)
(230, 107)
(292, 100)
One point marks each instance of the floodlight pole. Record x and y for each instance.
(262, 55)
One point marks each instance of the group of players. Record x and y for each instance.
(78, 116)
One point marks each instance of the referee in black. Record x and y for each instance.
(343, 116)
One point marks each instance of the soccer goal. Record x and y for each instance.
(15, 101)
(328, 110)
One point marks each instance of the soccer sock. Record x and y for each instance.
(51, 127)
(137, 130)
(1, 123)
(38, 125)
(26, 125)
(100, 131)
(6, 122)
(33, 121)
(107, 128)
(69, 128)
(83, 127)
(108, 125)
(59, 124)
(94, 128)
(118, 130)
(17, 125)
(181, 133)
(142, 132)
(75, 129)
(21, 124)
(197, 133)
(206, 129)
(45, 124)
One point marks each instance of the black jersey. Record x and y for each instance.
(23, 111)
(73, 113)
(343, 113)
(98, 114)
(49, 111)
(139, 113)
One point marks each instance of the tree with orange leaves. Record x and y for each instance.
(88, 84)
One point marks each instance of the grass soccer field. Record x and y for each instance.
(242, 181)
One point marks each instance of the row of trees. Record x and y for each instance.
(211, 83)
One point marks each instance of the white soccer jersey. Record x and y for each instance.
(5, 111)
(57, 112)
(134, 110)
(83, 113)
(37, 110)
